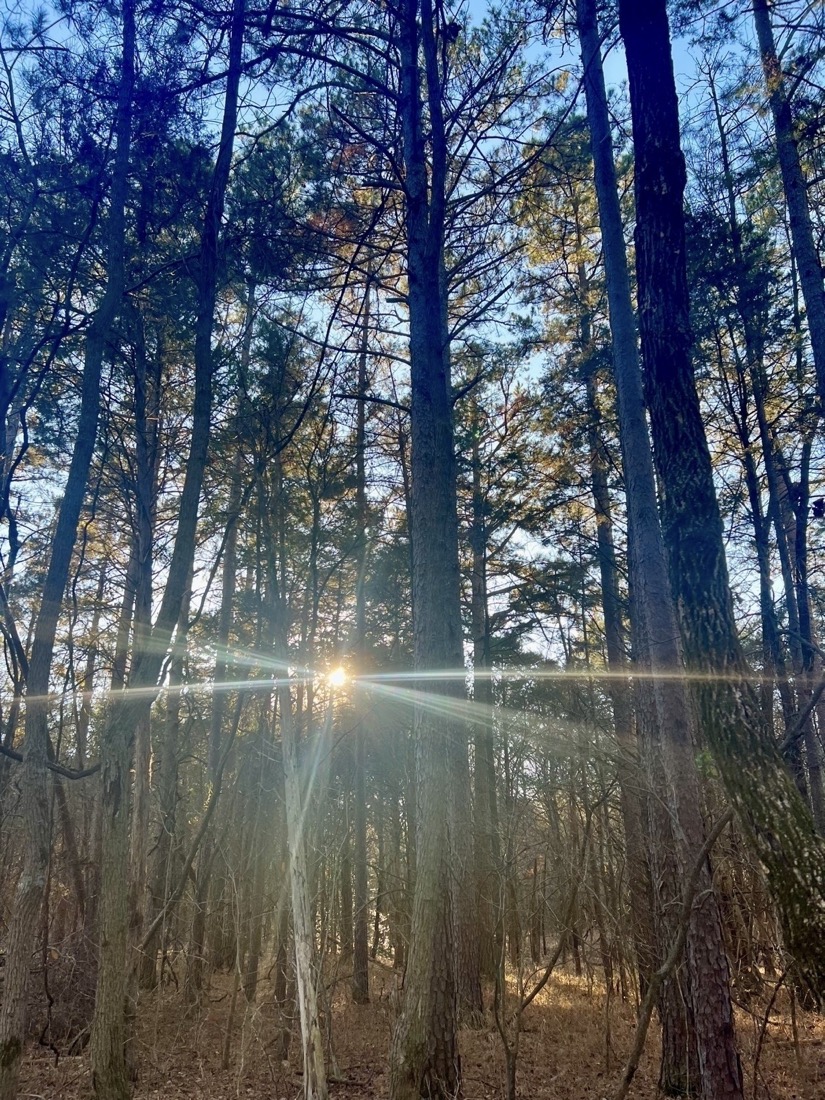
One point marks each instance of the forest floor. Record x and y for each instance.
(563, 1053)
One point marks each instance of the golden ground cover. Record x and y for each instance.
(572, 1048)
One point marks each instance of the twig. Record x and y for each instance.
(764, 1027)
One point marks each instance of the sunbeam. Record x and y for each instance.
(339, 678)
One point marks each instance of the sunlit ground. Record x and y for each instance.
(573, 1047)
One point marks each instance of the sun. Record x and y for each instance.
(337, 677)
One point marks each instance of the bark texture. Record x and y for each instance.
(424, 1059)
(773, 815)
(360, 932)
(719, 1067)
(297, 796)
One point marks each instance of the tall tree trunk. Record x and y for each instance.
(679, 1066)
(84, 710)
(34, 786)
(360, 958)
(424, 1060)
(628, 770)
(773, 815)
(801, 507)
(485, 807)
(167, 787)
(721, 1074)
(146, 404)
(796, 191)
(467, 955)
(108, 1055)
(346, 872)
(789, 519)
(298, 794)
(774, 656)
(196, 968)
(397, 907)
(261, 831)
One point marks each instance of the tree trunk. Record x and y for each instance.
(773, 815)
(774, 655)
(713, 1014)
(260, 832)
(109, 1070)
(628, 770)
(424, 1059)
(34, 786)
(297, 795)
(345, 875)
(167, 787)
(146, 404)
(360, 958)
(796, 191)
(485, 808)
(224, 671)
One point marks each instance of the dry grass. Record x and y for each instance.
(564, 1053)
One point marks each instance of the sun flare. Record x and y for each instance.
(337, 677)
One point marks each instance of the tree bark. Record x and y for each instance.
(796, 191)
(628, 770)
(424, 1059)
(34, 784)
(721, 1074)
(773, 815)
(485, 806)
(360, 958)
(297, 795)
(108, 1055)
(167, 787)
(146, 403)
